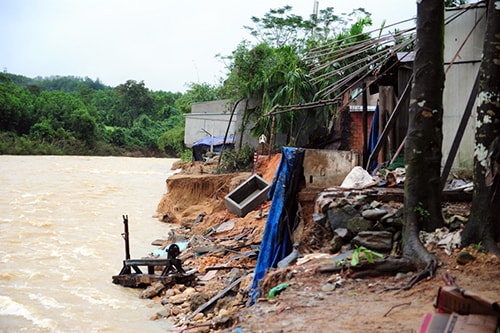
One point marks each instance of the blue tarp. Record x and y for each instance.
(202, 146)
(373, 138)
(215, 141)
(276, 243)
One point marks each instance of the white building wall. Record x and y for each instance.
(211, 116)
(462, 56)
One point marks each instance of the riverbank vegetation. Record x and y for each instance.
(74, 115)
(80, 116)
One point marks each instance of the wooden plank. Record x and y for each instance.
(460, 132)
(215, 298)
(143, 280)
(147, 262)
(390, 123)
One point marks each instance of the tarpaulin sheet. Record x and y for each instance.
(214, 141)
(276, 243)
(203, 146)
(374, 137)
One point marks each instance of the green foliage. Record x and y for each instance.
(133, 99)
(79, 115)
(68, 115)
(278, 27)
(16, 107)
(400, 38)
(57, 83)
(83, 125)
(274, 71)
(42, 131)
(187, 155)
(276, 76)
(172, 140)
(367, 253)
(422, 212)
(236, 160)
(197, 92)
(479, 247)
(346, 37)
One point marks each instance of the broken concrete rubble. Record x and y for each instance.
(224, 247)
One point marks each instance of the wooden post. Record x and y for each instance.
(365, 124)
(390, 122)
(273, 122)
(125, 237)
(460, 132)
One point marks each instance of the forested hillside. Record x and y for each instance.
(80, 116)
(72, 115)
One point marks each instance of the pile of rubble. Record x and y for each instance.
(222, 248)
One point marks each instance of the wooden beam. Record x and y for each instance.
(390, 123)
(215, 298)
(147, 262)
(365, 123)
(460, 132)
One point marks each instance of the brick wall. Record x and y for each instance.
(356, 142)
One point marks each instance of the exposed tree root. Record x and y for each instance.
(428, 271)
(386, 266)
(416, 258)
(492, 247)
(476, 232)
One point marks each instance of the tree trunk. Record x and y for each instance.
(422, 151)
(484, 223)
(424, 138)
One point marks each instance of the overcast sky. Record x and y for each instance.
(167, 44)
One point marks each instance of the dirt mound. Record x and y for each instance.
(198, 190)
(267, 166)
(188, 196)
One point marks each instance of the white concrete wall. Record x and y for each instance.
(460, 78)
(243, 137)
(326, 168)
(212, 116)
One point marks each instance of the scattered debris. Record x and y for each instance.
(358, 178)
(248, 196)
(215, 298)
(224, 246)
(442, 238)
(278, 288)
(460, 310)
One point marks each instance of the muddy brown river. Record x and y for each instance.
(60, 235)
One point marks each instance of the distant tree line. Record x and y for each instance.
(73, 115)
(81, 116)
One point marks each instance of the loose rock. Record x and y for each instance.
(464, 258)
(152, 290)
(373, 214)
(359, 224)
(374, 240)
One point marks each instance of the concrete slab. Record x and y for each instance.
(326, 168)
(248, 196)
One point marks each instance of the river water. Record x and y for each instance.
(60, 241)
